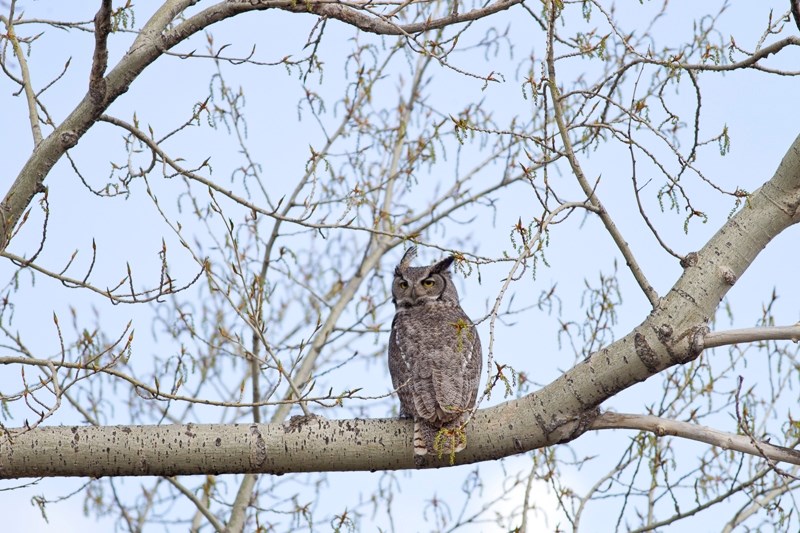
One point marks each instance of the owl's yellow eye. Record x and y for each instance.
(403, 284)
(427, 282)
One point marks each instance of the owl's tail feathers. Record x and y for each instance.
(447, 439)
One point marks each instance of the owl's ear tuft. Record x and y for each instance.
(405, 262)
(443, 265)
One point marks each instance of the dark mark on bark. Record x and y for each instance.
(258, 449)
(540, 421)
(297, 421)
(729, 276)
(664, 333)
(69, 139)
(582, 423)
(687, 296)
(420, 461)
(646, 354)
(571, 383)
(689, 260)
(698, 341)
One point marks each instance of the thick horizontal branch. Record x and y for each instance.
(312, 444)
(686, 430)
(305, 444)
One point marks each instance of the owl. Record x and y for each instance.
(434, 355)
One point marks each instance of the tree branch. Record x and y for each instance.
(202, 507)
(307, 444)
(311, 444)
(102, 27)
(761, 501)
(591, 195)
(674, 331)
(651, 526)
(27, 85)
(737, 336)
(352, 13)
(727, 441)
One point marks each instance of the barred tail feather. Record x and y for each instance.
(420, 442)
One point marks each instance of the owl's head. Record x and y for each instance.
(414, 286)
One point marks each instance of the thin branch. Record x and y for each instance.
(154, 392)
(146, 295)
(737, 336)
(728, 441)
(151, 43)
(236, 520)
(30, 94)
(139, 134)
(558, 113)
(351, 13)
(756, 505)
(703, 506)
(201, 507)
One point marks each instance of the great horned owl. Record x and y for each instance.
(434, 355)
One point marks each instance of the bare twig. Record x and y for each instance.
(146, 295)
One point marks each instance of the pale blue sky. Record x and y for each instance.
(759, 110)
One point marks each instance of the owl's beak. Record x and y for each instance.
(414, 294)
